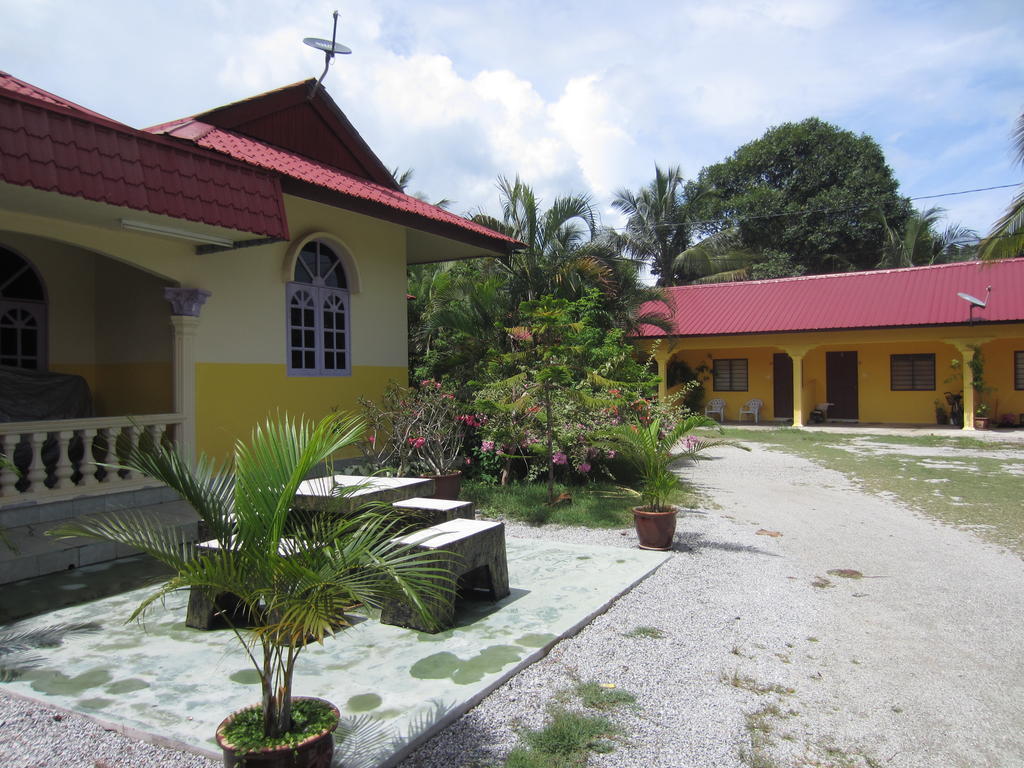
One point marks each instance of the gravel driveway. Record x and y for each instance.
(767, 660)
(915, 664)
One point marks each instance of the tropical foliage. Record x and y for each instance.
(1006, 239)
(658, 227)
(295, 580)
(920, 243)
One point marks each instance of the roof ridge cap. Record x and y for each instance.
(835, 275)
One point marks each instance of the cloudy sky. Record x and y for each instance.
(573, 96)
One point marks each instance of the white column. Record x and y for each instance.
(185, 330)
(185, 304)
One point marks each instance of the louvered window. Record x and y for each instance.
(912, 373)
(1018, 370)
(22, 314)
(318, 314)
(730, 375)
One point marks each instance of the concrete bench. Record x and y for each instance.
(206, 611)
(423, 513)
(474, 554)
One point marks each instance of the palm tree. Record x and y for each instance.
(719, 258)
(920, 244)
(295, 581)
(550, 262)
(1006, 239)
(657, 229)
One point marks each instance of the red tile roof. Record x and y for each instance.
(54, 145)
(295, 166)
(917, 296)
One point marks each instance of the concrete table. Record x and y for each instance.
(318, 492)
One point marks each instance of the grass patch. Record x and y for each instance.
(651, 632)
(590, 505)
(593, 695)
(564, 742)
(967, 487)
(736, 680)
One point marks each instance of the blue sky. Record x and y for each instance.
(574, 96)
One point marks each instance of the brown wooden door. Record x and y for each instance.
(782, 384)
(841, 384)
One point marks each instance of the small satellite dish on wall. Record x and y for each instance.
(330, 48)
(976, 302)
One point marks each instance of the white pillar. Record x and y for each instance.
(185, 303)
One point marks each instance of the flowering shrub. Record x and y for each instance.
(418, 429)
(512, 433)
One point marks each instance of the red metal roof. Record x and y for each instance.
(54, 145)
(293, 165)
(880, 299)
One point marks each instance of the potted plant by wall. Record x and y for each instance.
(292, 581)
(981, 416)
(941, 417)
(420, 430)
(650, 447)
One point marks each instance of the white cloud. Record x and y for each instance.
(587, 121)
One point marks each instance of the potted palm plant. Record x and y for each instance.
(294, 581)
(650, 448)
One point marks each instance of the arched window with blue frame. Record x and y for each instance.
(318, 316)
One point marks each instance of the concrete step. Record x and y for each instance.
(14, 513)
(36, 554)
(435, 511)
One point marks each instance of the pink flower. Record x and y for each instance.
(372, 439)
(690, 443)
(559, 458)
(611, 454)
(487, 446)
(416, 442)
(584, 467)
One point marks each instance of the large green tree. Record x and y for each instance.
(808, 189)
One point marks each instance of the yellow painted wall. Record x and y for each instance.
(998, 356)
(876, 400)
(231, 398)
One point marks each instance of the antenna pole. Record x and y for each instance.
(328, 58)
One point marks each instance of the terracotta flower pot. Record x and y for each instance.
(654, 529)
(981, 422)
(447, 486)
(314, 751)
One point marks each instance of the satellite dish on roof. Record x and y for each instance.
(326, 45)
(330, 48)
(976, 302)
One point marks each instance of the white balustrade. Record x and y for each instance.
(63, 458)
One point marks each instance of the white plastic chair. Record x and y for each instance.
(717, 405)
(752, 408)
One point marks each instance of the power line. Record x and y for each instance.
(964, 191)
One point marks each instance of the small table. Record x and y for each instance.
(473, 552)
